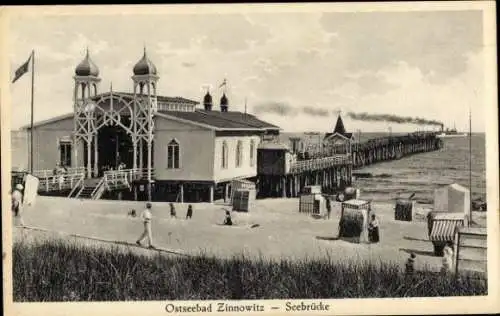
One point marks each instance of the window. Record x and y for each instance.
(239, 154)
(224, 155)
(173, 155)
(252, 152)
(65, 153)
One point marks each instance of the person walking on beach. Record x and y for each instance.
(17, 203)
(328, 208)
(189, 213)
(146, 217)
(373, 230)
(173, 214)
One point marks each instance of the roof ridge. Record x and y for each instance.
(227, 119)
(158, 96)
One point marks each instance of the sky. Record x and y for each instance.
(296, 70)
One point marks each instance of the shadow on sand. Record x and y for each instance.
(418, 252)
(327, 238)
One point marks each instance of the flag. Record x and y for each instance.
(223, 84)
(21, 70)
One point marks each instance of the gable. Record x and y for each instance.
(62, 122)
(164, 122)
(336, 137)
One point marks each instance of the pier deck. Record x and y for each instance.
(333, 171)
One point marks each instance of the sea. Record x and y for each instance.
(420, 174)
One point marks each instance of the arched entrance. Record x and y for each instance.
(108, 127)
(114, 146)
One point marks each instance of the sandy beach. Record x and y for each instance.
(283, 232)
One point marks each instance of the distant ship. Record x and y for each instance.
(450, 133)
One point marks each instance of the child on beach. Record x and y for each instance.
(189, 213)
(228, 221)
(146, 218)
(373, 230)
(173, 214)
(410, 264)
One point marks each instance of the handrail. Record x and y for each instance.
(319, 163)
(78, 183)
(128, 175)
(98, 186)
(59, 182)
(324, 150)
(44, 173)
(99, 191)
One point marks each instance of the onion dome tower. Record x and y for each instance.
(224, 103)
(144, 66)
(145, 76)
(86, 87)
(86, 79)
(207, 101)
(145, 80)
(87, 67)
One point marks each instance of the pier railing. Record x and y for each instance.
(46, 173)
(119, 178)
(319, 163)
(59, 182)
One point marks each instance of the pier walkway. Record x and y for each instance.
(333, 171)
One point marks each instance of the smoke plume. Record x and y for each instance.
(392, 118)
(285, 109)
(280, 108)
(312, 111)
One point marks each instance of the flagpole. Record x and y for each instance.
(470, 165)
(32, 107)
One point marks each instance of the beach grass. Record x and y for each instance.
(59, 270)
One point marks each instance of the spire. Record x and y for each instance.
(207, 101)
(339, 126)
(224, 103)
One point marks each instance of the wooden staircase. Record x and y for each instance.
(91, 189)
(94, 188)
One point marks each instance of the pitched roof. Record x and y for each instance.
(273, 146)
(339, 129)
(339, 126)
(48, 121)
(222, 120)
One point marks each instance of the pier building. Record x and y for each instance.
(142, 145)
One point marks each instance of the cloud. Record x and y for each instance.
(431, 41)
(188, 64)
